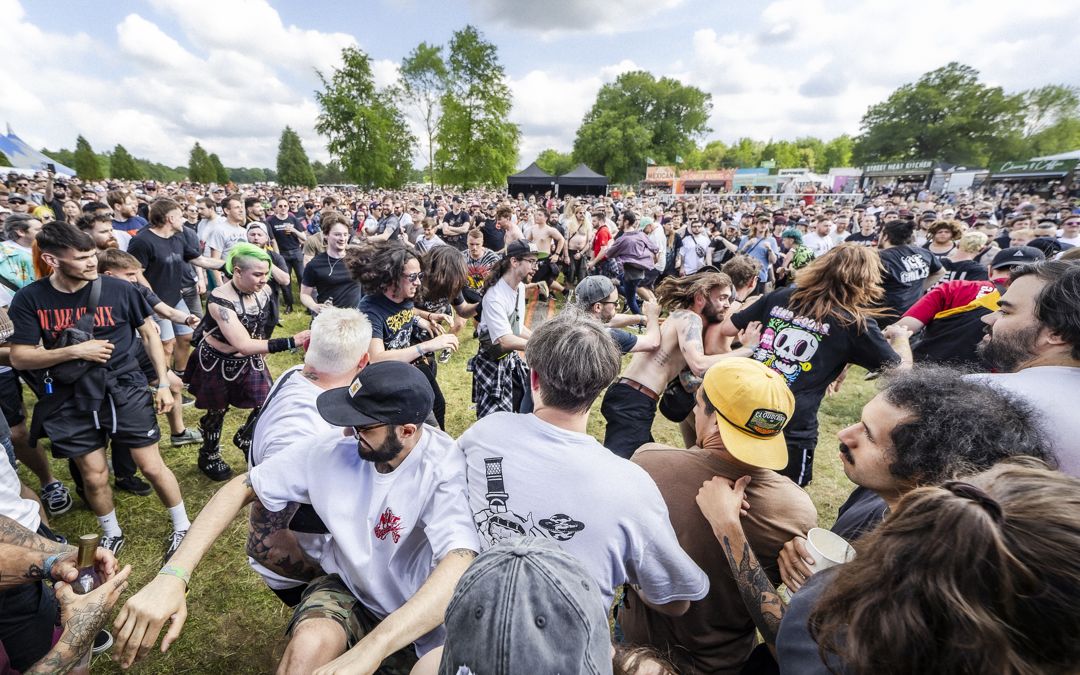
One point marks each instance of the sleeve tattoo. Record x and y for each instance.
(760, 597)
(275, 547)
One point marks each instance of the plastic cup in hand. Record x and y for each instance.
(827, 549)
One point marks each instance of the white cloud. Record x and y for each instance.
(556, 17)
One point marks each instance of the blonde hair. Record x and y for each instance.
(340, 336)
(973, 241)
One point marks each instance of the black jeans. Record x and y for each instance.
(294, 263)
(629, 414)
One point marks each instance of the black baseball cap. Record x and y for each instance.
(1017, 255)
(519, 248)
(389, 392)
(16, 198)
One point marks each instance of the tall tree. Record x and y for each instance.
(662, 120)
(948, 114)
(837, 153)
(555, 162)
(293, 167)
(745, 153)
(365, 129)
(123, 165)
(4, 161)
(1046, 106)
(200, 170)
(423, 83)
(221, 175)
(477, 143)
(85, 162)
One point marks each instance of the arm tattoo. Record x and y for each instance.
(693, 329)
(462, 553)
(80, 629)
(224, 315)
(760, 597)
(11, 532)
(272, 544)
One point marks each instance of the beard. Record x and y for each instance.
(387, 450)
(711, 315)
(1006, 351)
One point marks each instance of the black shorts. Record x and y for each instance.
(650, 279)
(11, 398)
(28, 614)
(629, 414)
(547, 271)
(128, 419)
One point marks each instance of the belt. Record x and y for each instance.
(637, 386)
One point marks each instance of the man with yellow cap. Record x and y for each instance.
(741, 410)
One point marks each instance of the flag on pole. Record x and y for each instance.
(650, 161)
(678, 160)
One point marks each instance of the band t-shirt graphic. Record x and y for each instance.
(476, 271)
(392, 322)
(810, 354)
(906, 267)
(40, 313)
(497, 523)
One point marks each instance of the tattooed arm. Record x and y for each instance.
(271, 543)
(422, 613)
(11, 532)
(721, 501)
(689, 329)
(162, 600)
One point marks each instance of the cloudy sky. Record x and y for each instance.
(158, 75)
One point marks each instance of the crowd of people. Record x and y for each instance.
(526, 544)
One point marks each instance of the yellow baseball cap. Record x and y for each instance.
(753, 405)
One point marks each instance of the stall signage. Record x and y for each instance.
(1061, 166)
(914, 166)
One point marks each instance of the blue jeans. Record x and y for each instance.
(629, 289)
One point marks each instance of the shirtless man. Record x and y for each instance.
(629, 404)
(549, 241)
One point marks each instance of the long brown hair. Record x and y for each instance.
(844, 286)
(975, 576)
(444, 273)
(679, 292)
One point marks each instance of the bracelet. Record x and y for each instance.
(161, 386)
(178, 572)
(419, 351)
(280, 345)
(46, 568)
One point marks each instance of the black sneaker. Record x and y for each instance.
(102, 641)
(133, 484)
(114, 544)
(214, 466)
(56, 497)
(173, 543)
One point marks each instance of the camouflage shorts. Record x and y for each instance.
(327, 597)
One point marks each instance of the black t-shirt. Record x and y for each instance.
(287, 243)
(163, 261)
(862, 239)
(810, 355)
(391, 322)
(494, 237)
(624, 339)
(458, 241)
(331, 280)
(40, 312)
(963, 269)
(191, 238)
(862, 512)
(906, 267)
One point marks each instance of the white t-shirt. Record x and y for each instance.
(222, 236)
(564, 486)
(689, 247)
(1051, 390)
(203, 230)
(659, 237)
(388, 530)
(503, 310)
(12, 504)
(290, 417)
(1071, 241)
(818, 244)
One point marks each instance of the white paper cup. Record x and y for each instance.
(827, 549)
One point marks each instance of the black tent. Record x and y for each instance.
(531, 179)
(582, 181)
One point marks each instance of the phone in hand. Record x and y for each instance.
(50, 167)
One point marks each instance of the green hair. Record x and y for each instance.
(245, 250)
(792, 234)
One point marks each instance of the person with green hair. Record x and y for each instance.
(798, 254)
(228, 368)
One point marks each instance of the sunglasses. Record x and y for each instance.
(368, 427)
(414, 277)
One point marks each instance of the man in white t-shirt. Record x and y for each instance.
(392, 495)
(500, 376)
(336, 354)
(819, 240)
(227, 233)
(1070, 230)
(556, 481)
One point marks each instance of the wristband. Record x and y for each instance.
(178, 572)
(161, 386)
(419, 351)
(280, 345)
(46, 568)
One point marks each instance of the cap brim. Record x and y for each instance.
(767, 453)
(335, 406)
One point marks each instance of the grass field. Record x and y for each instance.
(235, 625)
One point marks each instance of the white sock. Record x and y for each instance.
(109, 524)
(179, 517)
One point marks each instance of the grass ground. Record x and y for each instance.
(235, 625)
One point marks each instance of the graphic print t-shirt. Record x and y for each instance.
(810, 354)
(391, 322)
(906, 267)
(476, 270)
(40, 313)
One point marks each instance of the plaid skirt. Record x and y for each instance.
(218, 380)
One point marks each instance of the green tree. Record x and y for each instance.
(948, 114)
(662, 117)
(477, 145)
(1046, 106)
(837, 153)
(200, 170)
(85, 162)
(365, 129)
(4, 161)
(220, 174)
(123, 166)
(744, 154)
(329, 173)
(709, 157)
(423, 83)
(554, 162)
(293, 167)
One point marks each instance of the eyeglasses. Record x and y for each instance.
(414, 277)
(368, 427)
